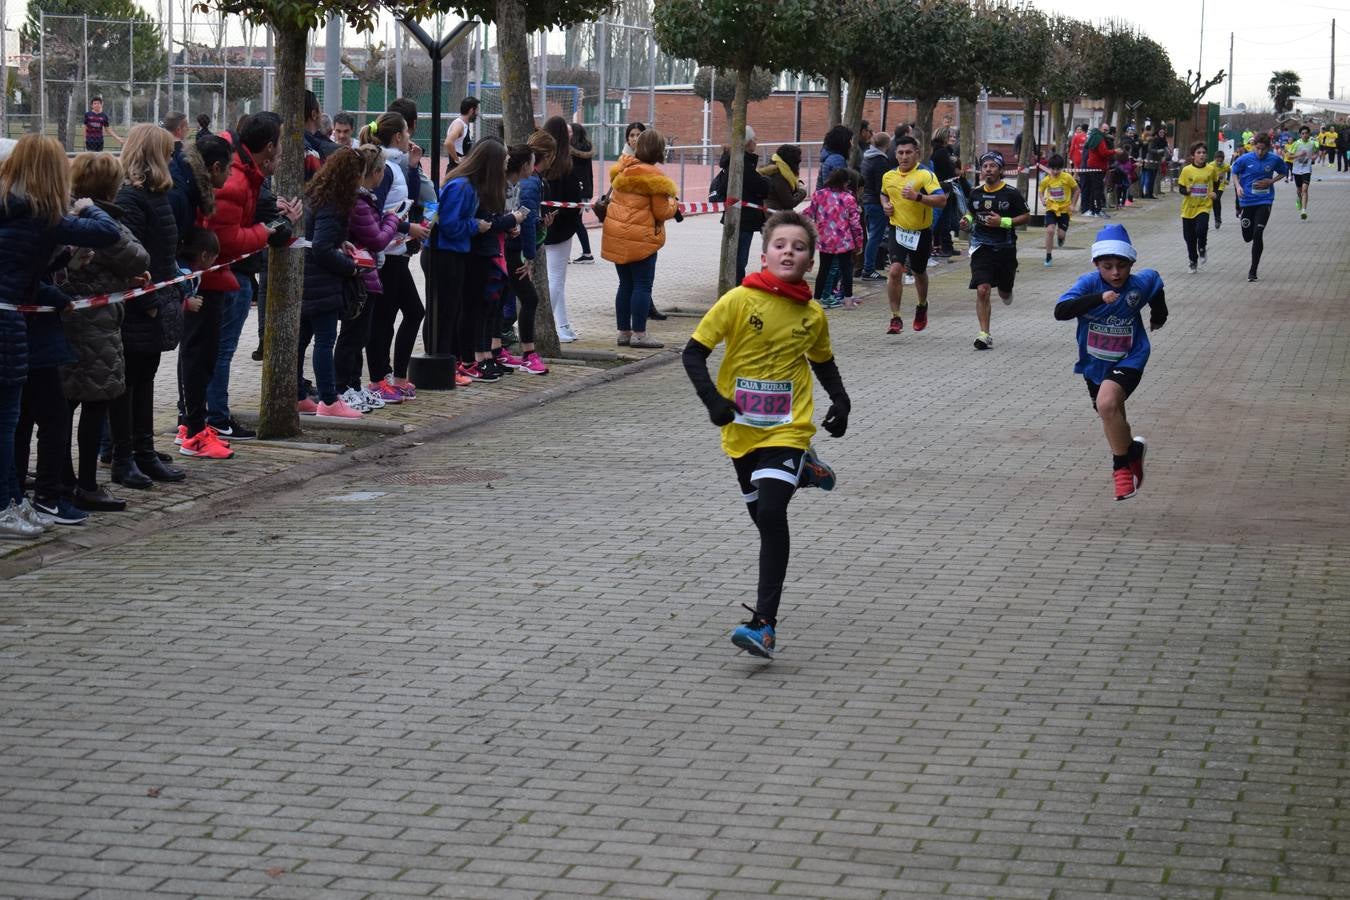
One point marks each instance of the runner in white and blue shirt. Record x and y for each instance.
(1254, 175)
(1113, 344)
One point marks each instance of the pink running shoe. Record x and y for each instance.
(384, 390)
(509, 360)
(403, 386)
(533, 365)
(336, 410)
(306, 407)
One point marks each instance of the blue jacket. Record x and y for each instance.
(457, 221)
(531, 192)
(26, 250)
(829, 161)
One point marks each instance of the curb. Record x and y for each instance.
(23, 562)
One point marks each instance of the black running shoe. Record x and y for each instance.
(233, 431)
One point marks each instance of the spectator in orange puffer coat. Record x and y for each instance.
(641, 200)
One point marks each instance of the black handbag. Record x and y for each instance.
(353, 297)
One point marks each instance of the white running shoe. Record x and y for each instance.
(565, 334)
(371, 399)
(353, 398)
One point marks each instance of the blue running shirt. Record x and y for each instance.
(1113, 336)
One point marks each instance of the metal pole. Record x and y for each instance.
(651, 76)
(42, 69)
(601, 58)
(1331, 86)
(4, 74)
(479, 39)
(84, 54)
(543, 76)
(332, 66)
(131, 70)
(398, 65)
(1230, 70)
(385, 97)
(1200, 66)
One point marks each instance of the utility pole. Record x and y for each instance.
(1230, 70)
(1200, 65)
(332, 66)
(1331, 88)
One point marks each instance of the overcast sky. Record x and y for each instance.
(1287, 34)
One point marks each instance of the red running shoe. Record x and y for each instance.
(1137, 460)
(921, 317)
(897, 325)
(1124, 480)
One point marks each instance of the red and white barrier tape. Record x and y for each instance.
(100, 300)
(694, 207)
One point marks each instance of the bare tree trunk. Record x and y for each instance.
(731, 221)
(834, 88)
(1060, 124)
(513, 57)
(458, 62)
(362, 95)
(1108, 110)
(513, 52)
(1028, 139)
(277, 417)
(968, 136)
(857, 97)
(924, 108)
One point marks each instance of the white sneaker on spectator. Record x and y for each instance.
(371, 399)
(566, 334)
(353, 398)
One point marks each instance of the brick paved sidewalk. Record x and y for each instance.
(496, 665)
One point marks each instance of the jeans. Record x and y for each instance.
(11, 398)
(876, 232)
(1146, 182)
(743, 254)
(323, 329)
(233, 315)
(835, 268)
(634, 298)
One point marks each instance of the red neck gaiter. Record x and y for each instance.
(766, 281)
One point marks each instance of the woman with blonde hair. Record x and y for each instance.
(642, 199)
(98, 380)
(153, 323)
(34, 197)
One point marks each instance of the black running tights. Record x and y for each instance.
(1254, 220)
(769, 513)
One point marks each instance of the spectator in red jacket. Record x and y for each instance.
(211, 335)
(1097, 152)
(1075, 154)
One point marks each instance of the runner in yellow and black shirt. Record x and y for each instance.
(1059, 193)
(775, 336)
(1197, 183)
(1221, 170)
(908, 197)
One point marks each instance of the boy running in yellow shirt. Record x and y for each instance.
(776, 336)
(1221, 169)
(1059, 194)
(1197, 183)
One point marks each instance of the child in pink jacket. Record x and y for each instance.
(838, 219)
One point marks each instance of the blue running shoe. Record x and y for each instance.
(755, 637)
(815, 472)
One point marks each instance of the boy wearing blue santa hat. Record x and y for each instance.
(1113, 344)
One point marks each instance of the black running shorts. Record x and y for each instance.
(995, 266)
(1128, 379)
(1058, 219)
(779, 463)
(915, 261)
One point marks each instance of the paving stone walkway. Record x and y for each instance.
(497, 665)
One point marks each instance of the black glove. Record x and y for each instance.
(836, 420)
(721, 410)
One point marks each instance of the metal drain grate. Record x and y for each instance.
(448, 476)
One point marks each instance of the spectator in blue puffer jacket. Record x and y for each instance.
(34, 225)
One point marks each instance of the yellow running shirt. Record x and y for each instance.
(1057, 192)
(1221, 171)
(771, 341)
(1197, 190)
(910, 215)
